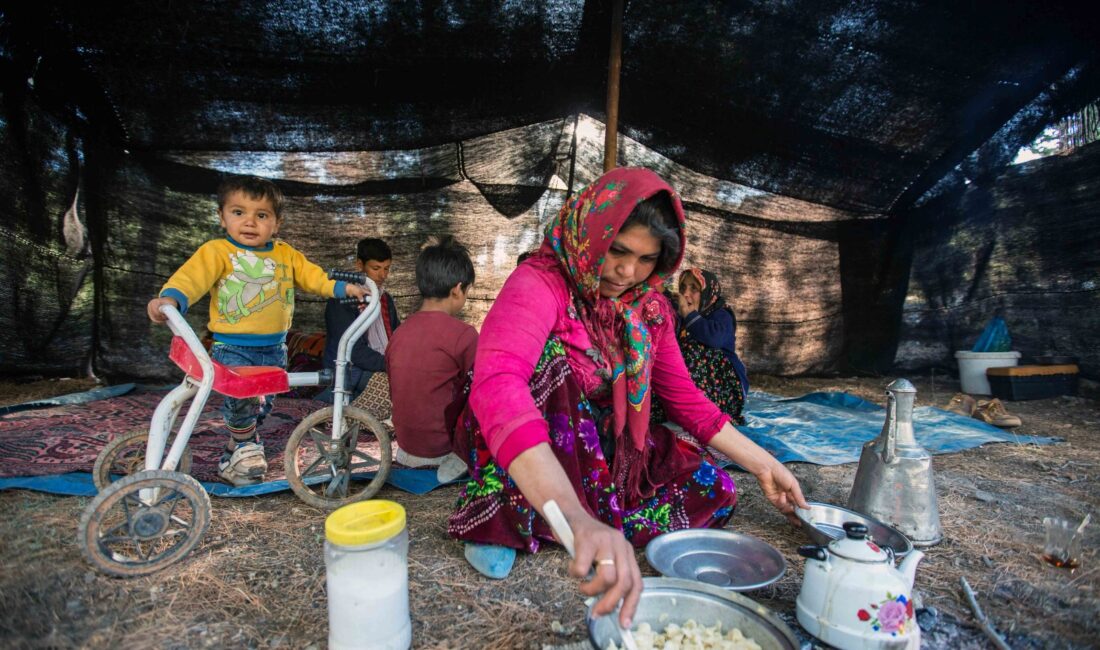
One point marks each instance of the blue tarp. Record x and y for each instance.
(72, 398)
(831, 428)
(415, 481)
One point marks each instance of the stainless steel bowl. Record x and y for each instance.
(722, 558)
(669, 600)
(824, 523)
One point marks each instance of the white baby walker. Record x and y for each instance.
(150, 512)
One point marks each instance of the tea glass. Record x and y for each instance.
(1063, 543)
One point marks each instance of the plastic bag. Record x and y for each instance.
(994, 338)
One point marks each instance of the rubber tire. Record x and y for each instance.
(101, 472)
(301, 433)
(90, 521)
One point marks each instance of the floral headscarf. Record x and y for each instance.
(710, 291)
(579, 237)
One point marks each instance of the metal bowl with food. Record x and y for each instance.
(722, 558)
(670, 600)
(824, 522)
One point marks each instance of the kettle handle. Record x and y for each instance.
(813, 552)
(888, 452)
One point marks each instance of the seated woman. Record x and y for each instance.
(569, 356)
(708, 337)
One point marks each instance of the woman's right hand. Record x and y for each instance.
(596, 543)
(686, 306)
(541, 478)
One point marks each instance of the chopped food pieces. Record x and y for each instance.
(690, 636)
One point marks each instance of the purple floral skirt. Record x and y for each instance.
(492, 510)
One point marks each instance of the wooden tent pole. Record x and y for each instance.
(573, 155)
(614, 66)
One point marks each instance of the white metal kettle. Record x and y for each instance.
(853, 597)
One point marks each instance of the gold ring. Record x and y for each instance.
(607, 562)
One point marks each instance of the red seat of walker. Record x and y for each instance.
(232, 381)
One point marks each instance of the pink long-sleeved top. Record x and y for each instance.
(533, 306)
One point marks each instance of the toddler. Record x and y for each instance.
(251, 278)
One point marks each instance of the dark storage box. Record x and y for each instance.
(1032, 382)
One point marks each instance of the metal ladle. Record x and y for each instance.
(561, 528)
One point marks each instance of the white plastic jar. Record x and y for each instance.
(367, 574)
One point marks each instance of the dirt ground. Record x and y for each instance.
(257, 578)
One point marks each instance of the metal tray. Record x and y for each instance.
(668, 600)
(824, 522)
(722, 558)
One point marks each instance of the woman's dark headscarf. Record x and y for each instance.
(710, 291)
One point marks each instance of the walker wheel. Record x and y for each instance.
(124, 533)
(125, 455)
(328, 474)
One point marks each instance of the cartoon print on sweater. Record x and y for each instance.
(250, 276)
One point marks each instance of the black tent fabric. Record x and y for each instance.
(1022, 246)
(826, 152)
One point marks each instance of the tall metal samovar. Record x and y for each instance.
(894, 482)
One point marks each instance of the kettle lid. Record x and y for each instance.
(901, 385)
(855, 545)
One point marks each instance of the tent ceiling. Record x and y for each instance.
(850, 104)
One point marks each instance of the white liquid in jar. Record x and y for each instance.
(368, 601)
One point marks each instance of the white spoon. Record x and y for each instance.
(561, 528)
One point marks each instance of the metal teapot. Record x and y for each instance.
(853, 597)
(894, 481)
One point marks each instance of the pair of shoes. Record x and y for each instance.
(246, 464)
(491, 560)
(962, 404)
(990, 411)
(450, 469)
(993, 411)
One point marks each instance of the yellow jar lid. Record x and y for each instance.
(365, 522)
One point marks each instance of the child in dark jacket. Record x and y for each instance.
(373, 258)
(708, 339)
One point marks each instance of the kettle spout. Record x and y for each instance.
(908, 566)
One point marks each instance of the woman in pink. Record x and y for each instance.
(568, 359)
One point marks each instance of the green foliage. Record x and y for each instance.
(1074, 130)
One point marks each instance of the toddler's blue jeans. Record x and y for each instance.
(240, 414)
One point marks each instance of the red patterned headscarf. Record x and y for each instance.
(579, 237)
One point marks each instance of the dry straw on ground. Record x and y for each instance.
(257, 579)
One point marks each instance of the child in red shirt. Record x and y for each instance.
(430, 360)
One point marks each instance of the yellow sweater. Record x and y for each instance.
(251, 289)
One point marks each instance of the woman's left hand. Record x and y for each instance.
(781, 488)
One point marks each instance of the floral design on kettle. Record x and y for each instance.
(890, 615)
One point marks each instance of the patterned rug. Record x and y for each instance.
(65, 439)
